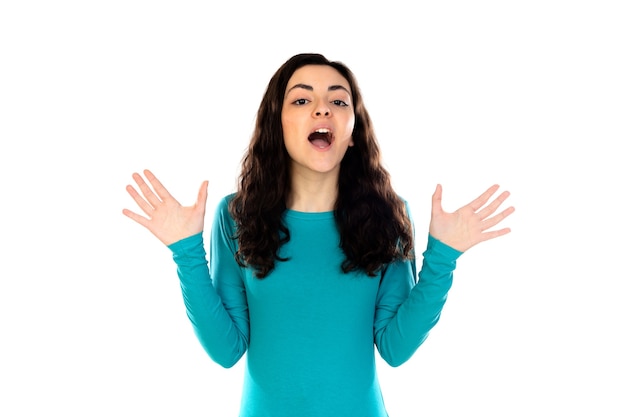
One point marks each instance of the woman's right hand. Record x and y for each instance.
(165, 217)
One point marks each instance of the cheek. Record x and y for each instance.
(350, 124)
(350, 131)
(289, 132)
(289, 123)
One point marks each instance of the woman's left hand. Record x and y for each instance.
(471, 224)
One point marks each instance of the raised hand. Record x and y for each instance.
(165, 217)
(470, 224)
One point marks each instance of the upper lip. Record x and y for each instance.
(322, 129)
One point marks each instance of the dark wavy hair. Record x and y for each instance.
(372, 219)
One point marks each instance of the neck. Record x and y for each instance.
(312, 193)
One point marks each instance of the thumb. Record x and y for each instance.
(436, 200)
(203, 194)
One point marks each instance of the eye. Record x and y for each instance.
(300, 101)
(340, 103)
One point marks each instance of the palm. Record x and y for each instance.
(166, 218)
(471, 224)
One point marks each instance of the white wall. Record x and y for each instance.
(526, 94)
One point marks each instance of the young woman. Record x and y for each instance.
(311, 260)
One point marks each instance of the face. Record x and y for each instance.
(317, 120)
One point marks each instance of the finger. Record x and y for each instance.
(436, 200)
(483, 198)
(494, 234)
(491, 222)
(159, 189)
(136, 217)
(202, 194)
(146, 191)
(493, 206)
(141, 202)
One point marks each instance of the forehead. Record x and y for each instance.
(318, 77)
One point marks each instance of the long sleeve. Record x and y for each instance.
(214, 298)
(405, 311)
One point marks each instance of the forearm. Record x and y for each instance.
(211, 322)
(420, 312)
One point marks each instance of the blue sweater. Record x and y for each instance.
(309, 329)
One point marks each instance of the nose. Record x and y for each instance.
(322, 110)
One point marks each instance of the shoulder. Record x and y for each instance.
(222, 204)
(406, 207)
(222, 212)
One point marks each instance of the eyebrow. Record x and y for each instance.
(330, 88)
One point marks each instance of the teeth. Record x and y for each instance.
(323, 130)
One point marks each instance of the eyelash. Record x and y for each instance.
(302, 102)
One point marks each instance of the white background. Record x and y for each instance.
(530, 95)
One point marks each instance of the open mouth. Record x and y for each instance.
(321, 138)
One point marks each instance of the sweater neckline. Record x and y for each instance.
(305, 215)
